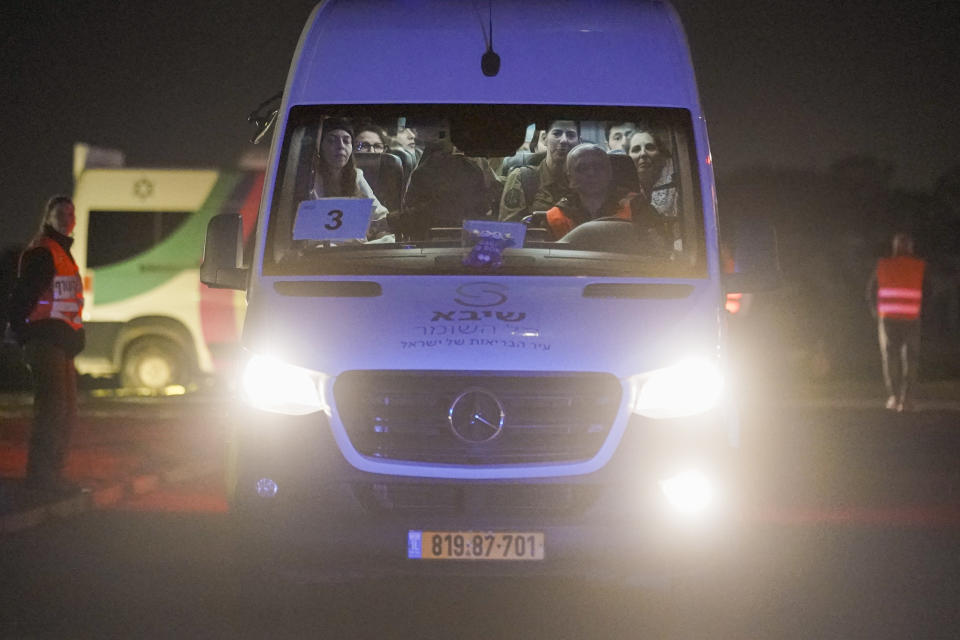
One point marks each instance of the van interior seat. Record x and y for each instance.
(407, 160)
(384, 173)
(521, 159)
(445, 190)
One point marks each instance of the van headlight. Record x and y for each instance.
(688, 388)
(273, 385)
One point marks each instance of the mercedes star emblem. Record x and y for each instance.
(476, 416)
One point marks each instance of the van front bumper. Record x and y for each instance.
(297, 497)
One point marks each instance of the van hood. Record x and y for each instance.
(619, 326)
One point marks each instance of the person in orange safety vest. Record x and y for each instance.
(46, 316)
(593, 195)
(896, 296)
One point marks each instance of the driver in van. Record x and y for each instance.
(538, 188)
(336, 174)
(593, 195)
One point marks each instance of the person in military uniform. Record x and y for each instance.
(537, 188)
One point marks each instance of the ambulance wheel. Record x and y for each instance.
(154, 363)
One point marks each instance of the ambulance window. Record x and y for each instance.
(115, 236)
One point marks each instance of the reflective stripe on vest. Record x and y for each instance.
(63, 299)
(900, 287)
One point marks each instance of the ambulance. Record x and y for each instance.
(138, 243)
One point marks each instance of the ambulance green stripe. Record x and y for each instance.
(182, 250)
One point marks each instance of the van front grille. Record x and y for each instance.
(398, 415)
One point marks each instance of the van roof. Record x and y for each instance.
(552, 52)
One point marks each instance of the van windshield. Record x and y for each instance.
(501, 189)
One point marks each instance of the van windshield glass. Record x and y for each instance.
(503, 189)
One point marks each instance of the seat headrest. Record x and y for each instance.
(624, 172)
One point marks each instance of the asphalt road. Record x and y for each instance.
(854, 536)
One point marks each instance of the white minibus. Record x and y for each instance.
(466, 354)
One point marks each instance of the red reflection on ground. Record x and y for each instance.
(200, 496)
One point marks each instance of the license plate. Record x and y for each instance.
(475, 545)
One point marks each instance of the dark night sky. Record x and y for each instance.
(798, 83)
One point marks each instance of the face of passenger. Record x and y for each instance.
(589, 172)
(369, 141)
(620, 135)
(407, 138)
(561, 137)
(646, 155)
(62, 218)
(541, 142)
(336, 147)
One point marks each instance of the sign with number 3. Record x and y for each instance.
(333, 219)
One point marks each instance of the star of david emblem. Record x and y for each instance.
(143, 188)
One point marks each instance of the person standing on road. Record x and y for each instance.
(45, 315)
(896, 295)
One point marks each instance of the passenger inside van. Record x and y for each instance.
(537, 188)
(591, 195)
(371, 138)
(406, 138)
(403, 144)
(618, 136)
(446, 188)
(530, 154)
(594, 195)
(382, 171)
(523, 155)
(654, 169)
(336, 174)
(334, 152)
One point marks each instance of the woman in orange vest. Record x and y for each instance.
(897, 286)
(46, 307)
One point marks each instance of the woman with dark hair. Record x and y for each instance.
(336, 174)
(46, 308)
(406, 138)
(654, 169)
(371, 138)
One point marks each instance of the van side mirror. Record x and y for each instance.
(756, 258)
(223, 253)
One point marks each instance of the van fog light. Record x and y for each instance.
(689, 492)
(267, 488)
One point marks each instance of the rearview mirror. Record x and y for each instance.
(485, 131)
(223, 253)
